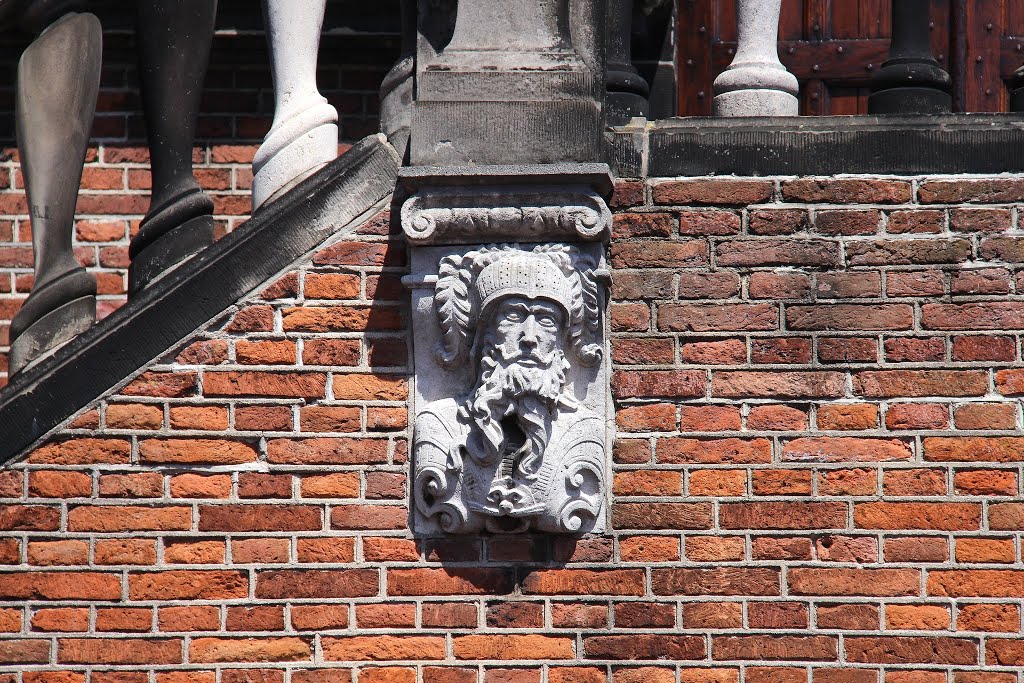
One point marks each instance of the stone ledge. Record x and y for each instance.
(820, 145)
(47, 394)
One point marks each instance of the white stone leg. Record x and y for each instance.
(304, 136)
(756, 83)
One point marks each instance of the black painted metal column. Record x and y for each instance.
(173, 39)
(58, 81)
(627, 91)
(911, 80)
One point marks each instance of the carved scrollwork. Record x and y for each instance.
(466, 215)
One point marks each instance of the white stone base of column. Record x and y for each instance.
(755, 103)
(293, 150)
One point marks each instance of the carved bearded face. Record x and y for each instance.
(522, 376)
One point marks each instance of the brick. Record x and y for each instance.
(331, 286)
(855, 617)
(382, 648)
(860, 549)
(661, 516)
(648, 548)
(780, 252)
(369, 517)
(199, 552)
(660, 254)
(60, 619)
(782, 515)
(916, 416)
(986, 191)
(83, 452)
(719, 581)
(714, 549)
(344, 352)
(1001, 651)
(1004, 516)
(647, 483)
(57, 484)
(249, 517)
(974, 449)
(779, 648)
(716, 285)
(916, 549)
(777, 221)
(259, 550)
(125, 551)
(777, 384)
(780, 351)
(264, 384)
(650, 417)
(361, 254)
(979, 220)
(846, 222)
(265, 352)
(264, 485)
(712, 192)
(138, 485)
(216, 650)
(188, 618)
(914, 383)
(517, 614)
(905, 649)
(853, 582)
(207, 352)
(134, 416)
(845, 449)
(1003, 248)
(128, 619)
(196, 451)
(655, 383)
(988, 550)
(850, 317)
(906, 252)
(263, 418)
(779, 285)
(914, 482)
(712, 615)
(315, 617)
(327, 451)
(450, 615)
(645, 284)
(921, 221)
(985, 416)
(163, 385)
(643, 646)
(679, 450)
(848, 416)
(54, 553)
(188, 585)
(468, 581)
(200, 486)
(917, 617)
(776, 418)
(980, 281)
(847, 482)
(985, 482)
(338, 485)
(988, 618)
(935, 516)
(725, 352)
(990, 315)
(787, 482)
(717, 483)
(353, 387)
(113, 518)
(918, 283)
(120, 651)
(630, 225)
(585, 582)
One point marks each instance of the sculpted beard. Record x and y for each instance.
(528, 394)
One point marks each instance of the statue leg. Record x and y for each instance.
(58, 81)
(304, 135)
(173, 38)
(396, 90)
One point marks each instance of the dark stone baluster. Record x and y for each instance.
(1016, 85)
(911, 80)
(174, 48)
(627, 91)
(58, 81)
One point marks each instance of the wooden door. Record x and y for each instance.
(833, 47)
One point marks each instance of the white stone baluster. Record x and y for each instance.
(756, 83)
(304, 135)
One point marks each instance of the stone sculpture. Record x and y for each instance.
(627, 91)
(756, 83)
(173, 39)
(519, 450)
(58, 81)
(304, 135)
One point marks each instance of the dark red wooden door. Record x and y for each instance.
(833, 47)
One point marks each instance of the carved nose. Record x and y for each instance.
(529, 337)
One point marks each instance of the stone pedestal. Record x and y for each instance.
(911, 80)
(756, 83)
(627, 91)
(173, 39)
(58, 81)
(509, 288)
(510, 84)
(304, 135)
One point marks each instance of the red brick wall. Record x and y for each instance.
(817, 476)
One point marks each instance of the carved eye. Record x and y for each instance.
(513, 315)
(545, 320)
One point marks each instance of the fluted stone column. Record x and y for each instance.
(627, 91)
(911, 80)
(173, 38)
(304, 135)
(58, 81)
(756, 83)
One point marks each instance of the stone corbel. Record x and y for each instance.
(511, 403)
